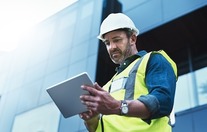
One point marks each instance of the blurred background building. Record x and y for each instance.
(65, 44)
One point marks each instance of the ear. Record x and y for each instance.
(133, 39)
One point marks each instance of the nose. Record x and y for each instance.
(112, 46)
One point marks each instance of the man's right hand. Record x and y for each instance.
(88, 115)
(91, 120)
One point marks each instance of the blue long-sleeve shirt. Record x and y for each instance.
(161, 84)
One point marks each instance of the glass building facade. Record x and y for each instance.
(65, 45)
(56, 49)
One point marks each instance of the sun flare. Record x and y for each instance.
(17, 17)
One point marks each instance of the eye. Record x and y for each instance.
(117, 40)
(106, 43)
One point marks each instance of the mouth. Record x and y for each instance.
(115, 54)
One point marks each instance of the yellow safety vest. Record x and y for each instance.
(117, 123)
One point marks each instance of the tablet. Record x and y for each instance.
(66, 94)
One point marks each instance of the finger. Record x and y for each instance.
(91, 90)
(81, 116)
(90, 105)
(93, 109)
(85, 98)
(85, 115)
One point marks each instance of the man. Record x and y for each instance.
(140, 96)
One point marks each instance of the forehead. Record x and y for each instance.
(114, 34)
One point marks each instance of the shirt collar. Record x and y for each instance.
(129, 60)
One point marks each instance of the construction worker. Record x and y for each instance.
(140, 96)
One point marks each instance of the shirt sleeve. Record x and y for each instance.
(161, 83)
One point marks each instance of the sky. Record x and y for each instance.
(18, 16)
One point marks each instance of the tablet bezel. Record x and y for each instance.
(66, 94)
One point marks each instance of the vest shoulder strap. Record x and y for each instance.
(129, 86)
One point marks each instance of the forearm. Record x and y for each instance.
(92, 124)
(137, 109)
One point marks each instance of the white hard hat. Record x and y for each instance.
(116, 21)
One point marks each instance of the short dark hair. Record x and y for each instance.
(128, 31)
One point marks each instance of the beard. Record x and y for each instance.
(118, 56)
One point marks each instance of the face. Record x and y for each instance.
(118, 46)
